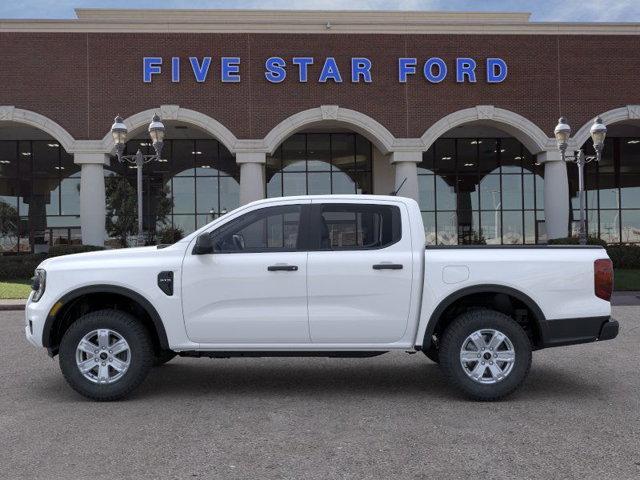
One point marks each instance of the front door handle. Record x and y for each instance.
(387, 266)
(282, 268)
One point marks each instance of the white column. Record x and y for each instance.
(252, 180)
(556, 194)
(406, 170)
(92, 198)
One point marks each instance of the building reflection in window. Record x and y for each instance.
(320, 163)
(200, 178)
(39, 196)
(612, 192)
(480, 191)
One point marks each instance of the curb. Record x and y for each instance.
(9, 307)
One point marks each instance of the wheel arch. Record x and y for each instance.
(494, 293)
(57, 322)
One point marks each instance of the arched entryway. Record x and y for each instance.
(480, 181)
(326, 150)
(196, 181)
(39, 184)
(612, 185)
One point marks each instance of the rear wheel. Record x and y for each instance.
(106, 354)
(486, 354)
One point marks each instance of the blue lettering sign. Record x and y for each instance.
(360, 67)
(276, 72)
(200, 71)
(303, 67)
(406, 66)
(496, 70)
(465, 67)
(230, 69)
(175, 69)
(428, 70)
(150, 66)
(330, 71)
(434, 69)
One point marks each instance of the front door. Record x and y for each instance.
(253, 288)
(360, 274)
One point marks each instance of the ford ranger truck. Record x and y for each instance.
(335, 276)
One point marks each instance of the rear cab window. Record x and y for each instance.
(356, 226)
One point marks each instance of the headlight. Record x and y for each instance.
(39, 282)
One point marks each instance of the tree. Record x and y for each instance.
(9, 222)
(122, 209)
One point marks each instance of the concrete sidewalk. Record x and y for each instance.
(620, 299)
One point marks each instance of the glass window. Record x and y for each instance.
(352, 226)
(467, 155)
(630, 226)
(267, 229)
(487, 154)
(630, 191)
(318, 152)
(426, 190)
(294, 153)
(39, 192)
(445, 193)
(8, 159)
(612, 190)
(342, 182)
(468, 183)
(195, 182)
(629, 155)
(183, 157)
(320, 163)
(9, 217)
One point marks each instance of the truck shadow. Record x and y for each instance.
(310, 378)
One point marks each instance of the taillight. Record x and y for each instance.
(603, 278)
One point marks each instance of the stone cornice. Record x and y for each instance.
(308, 21)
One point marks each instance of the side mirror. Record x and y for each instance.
(204, 244)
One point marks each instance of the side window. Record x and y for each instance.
(358, 227)
(268, 229)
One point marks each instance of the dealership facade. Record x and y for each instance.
(455, 110)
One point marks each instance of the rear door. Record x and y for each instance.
(359, 272)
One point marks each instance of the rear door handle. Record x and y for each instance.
(387, 266)
(282, 268)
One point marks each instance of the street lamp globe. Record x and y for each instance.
(119, 133)
(562, 133)
(598, 133)
(156, 129)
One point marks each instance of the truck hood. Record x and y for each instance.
(98, 259)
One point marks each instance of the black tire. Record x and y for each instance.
(141, 350)
(432, 353)
(163, 357)
(451, 344)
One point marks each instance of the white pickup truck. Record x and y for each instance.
(335, 275)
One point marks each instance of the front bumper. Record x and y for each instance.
(571, 331)
(35, 315)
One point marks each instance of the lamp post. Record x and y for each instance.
(562, 133)
(156, 132)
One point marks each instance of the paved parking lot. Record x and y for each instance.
(388, 417)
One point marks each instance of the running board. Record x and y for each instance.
(267, 353)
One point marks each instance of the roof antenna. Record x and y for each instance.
(395, 192)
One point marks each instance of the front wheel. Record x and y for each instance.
(105, 354)
(486, 354)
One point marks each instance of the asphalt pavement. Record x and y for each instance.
(393, 416)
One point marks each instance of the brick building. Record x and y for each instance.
(458, 108)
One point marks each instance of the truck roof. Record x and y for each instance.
(334, 197)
